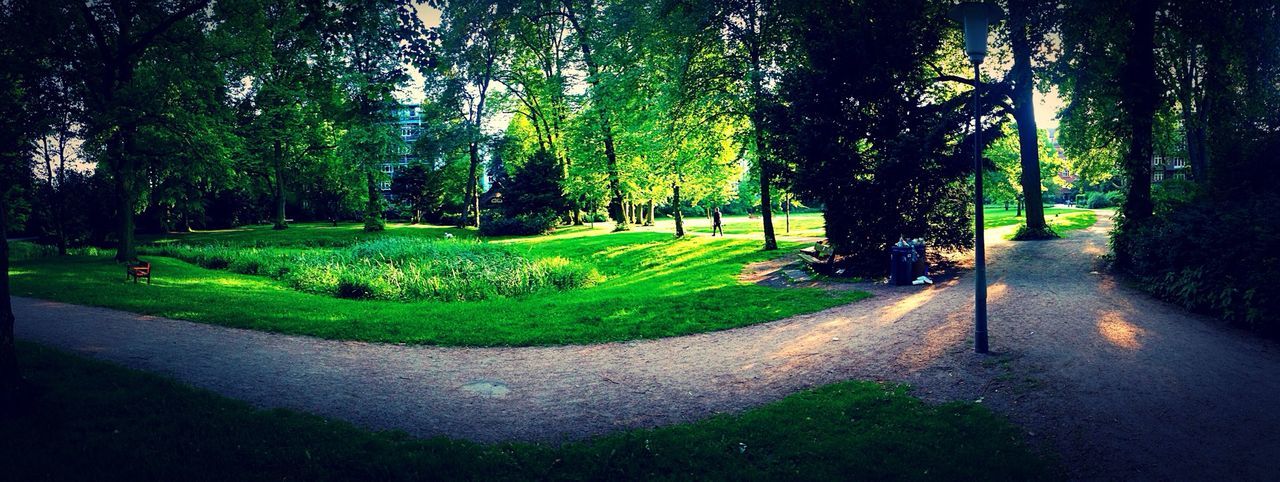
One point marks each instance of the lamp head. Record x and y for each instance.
(976, 18)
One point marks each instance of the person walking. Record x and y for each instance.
(716, 225)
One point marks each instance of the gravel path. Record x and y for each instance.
(1122, 386)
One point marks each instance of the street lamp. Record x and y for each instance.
(976, 17)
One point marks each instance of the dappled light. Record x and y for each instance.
(996, 291)
(1119, 332)
(910, 303)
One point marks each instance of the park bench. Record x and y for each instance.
(140, 270)
(821, 257)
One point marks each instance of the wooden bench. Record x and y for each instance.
(140, 270)
(820, 257)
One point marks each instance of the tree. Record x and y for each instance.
(535, 77)
(585, 17)
(279, 46)
(23, 81)
(368, 35)
(419, 188)
(474, 42)
(1029, 23)
(535, 187)
(1108, 72)
(869, 132)
(117, 36)
(753, 38)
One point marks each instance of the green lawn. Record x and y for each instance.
(802, 224)
(812, 224)
(99, 421)
(1061, 219)
(654, 286)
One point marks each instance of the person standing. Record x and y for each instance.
(715, 223)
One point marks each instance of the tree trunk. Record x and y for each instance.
(126, 198)
(1024, 115)
(787, 209)
(373, 209)
(472, 198)
(55, 191)
(649, 216)
(1137, 80)
(124, 244)
(762, 157)
(279, 191)
(10, 378)
(676, 211)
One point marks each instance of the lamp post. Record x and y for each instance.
(976, 18)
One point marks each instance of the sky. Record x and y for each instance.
(1047, 106)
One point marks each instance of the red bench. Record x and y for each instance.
(140, 270)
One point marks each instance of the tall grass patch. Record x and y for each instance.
(396, 268)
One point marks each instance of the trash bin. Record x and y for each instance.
(919, 266)
(900, 261)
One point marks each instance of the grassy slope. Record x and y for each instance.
(655, 287)
(101, 421)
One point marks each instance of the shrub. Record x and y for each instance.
(1098, 200)
(22, 250)
(1027, 234)
(1217, 257)
(1116, 197)
(493, 224)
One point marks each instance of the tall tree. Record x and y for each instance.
(1030, 22)
(117, 36)
(279, 55)
(474, 44)
(871, 134)
(753, 37)
(1140, 92)
(589, 28)
(25, 71)
(369, 35)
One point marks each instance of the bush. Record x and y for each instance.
(1217, 257)
(23, 250)
(396, 268)
(494, 224)
(1098, 200)
(1116, 197)
(1027, 234)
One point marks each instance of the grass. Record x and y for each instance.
(395, 268)
(1060, 219)
(101, 421)
(812, 224)
(653, 286)
(802, 224)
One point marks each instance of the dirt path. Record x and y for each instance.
(1120, 385)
